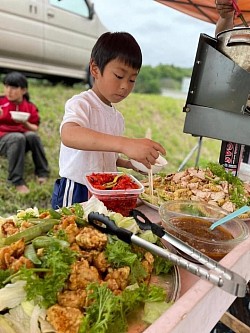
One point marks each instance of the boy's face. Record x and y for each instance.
(116, 82)
(14, 94)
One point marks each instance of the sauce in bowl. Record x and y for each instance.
(195, 231)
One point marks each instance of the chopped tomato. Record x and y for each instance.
(120, 203)
(124, 182)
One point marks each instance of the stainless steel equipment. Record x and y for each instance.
(217, 96)
(235, 44)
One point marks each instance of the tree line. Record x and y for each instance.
(152, 80)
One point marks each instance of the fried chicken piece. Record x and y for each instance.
(11, 252)
(9, 228)
(68, 224)
(72, 298)
(75, 247)
(82, 274)
(16, 264)
(64, 319)
(91, 239)
(25, 225)
(81, 254)
(117, 279)
(148, 262)
(44, 215)
(100, 262)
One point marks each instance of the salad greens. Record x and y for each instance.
(120, 254)
(107, 312)
(237, 193)
(52, 276)
(40, 285)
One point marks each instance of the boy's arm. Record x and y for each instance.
(143, 150)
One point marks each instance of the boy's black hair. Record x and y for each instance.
(16, 79)
(116, 45)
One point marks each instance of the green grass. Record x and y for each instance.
(162, 114)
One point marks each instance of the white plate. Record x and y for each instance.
(160, 163)
(149, 204)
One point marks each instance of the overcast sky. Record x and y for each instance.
(165, 35)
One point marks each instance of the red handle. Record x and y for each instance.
(236, 8)
(239, 13)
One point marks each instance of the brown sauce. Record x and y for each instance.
(200, 228)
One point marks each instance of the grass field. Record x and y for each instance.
(162, 114)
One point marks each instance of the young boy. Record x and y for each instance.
(92, 128)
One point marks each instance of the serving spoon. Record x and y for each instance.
(231, 216)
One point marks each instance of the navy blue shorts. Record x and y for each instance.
(67, 192)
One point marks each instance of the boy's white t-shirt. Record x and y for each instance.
(87, 110)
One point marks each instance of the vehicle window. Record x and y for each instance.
(78, 7)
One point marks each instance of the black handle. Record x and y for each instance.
(145, 224)
(108, 226)
(142, 221)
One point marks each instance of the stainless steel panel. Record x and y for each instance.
(217, 81)
(217, 124)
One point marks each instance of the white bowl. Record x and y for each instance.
(19, 116)
(161, 162)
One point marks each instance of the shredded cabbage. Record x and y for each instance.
(148, 236)
(94, 205)
(128, 223)
(5, 326)
(34, 320)
(31, 212)
(19, 320)
(12, 295)
(153, 310)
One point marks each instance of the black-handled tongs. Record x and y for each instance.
(219, 276)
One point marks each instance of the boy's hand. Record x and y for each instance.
(143, 150)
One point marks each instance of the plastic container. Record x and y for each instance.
(120, 201)
(190, 222)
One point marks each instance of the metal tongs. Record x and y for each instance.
(219, 276)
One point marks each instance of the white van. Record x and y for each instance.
(49, 39)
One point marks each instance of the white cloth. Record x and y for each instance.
(87, 110)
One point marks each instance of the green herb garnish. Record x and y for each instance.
(45, 282)
(107, 312)
(120, 254)
(236, 190)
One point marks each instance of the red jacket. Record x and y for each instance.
(8, 125)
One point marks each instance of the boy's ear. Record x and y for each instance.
(94, 70)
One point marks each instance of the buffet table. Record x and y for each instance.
(200, 304)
